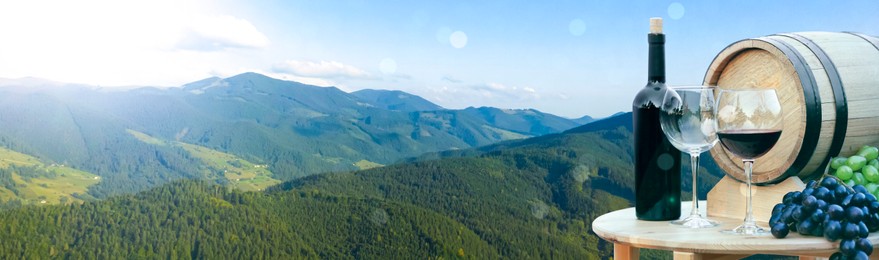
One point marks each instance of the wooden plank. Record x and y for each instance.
(625, 252)
(695, 256)
(727, 198)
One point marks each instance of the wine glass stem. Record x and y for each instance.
(749, 215)
(694, 166)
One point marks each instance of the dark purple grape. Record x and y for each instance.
(805, 226)
(863, 231)
(870, 197)
(861, 256)
(854, 214)
(850, 231)
(812, 184)
(822, 205)
(864, 245)
(873, 222)
(797, 197)
(817, 229)
(836, 212)
(832, 230)
(829, 183)
(779, 230)
(860, 189)
(847, 247)
(807, 191)
(874, 207)
(810, 203)
(837, 256)
(859, 199)
(818, 216)
(787, 214)
(840, 192)
(789, 197)
(822, 193)
(778, 208)
(798, 215)
(846, 200)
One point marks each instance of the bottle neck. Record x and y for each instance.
(656, 58)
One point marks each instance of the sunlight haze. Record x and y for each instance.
(570, 58)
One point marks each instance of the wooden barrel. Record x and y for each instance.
(828, 84)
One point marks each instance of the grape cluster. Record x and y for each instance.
(861, 168)
(833, 210)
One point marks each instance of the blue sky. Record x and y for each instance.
(569, 58)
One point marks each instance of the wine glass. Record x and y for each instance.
(749, 123)
(687, 119)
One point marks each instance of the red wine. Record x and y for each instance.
(657, 162)
(749, 144)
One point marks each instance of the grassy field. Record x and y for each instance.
(57, 186)
(240, 173)
(365, 165)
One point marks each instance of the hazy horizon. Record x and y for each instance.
(566, 58)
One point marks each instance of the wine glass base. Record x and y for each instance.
(749, 230)
(696, 221)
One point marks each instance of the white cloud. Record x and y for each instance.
(451, 79)
(321, 69)
(218, 32)
(493, 89)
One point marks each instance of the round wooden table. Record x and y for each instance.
(629, 234)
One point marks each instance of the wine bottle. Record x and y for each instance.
(657, 162)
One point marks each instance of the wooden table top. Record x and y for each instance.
(621, 226)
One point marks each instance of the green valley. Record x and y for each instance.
(27, 180)
(235, 172)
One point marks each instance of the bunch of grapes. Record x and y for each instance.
(861, 168)
(831, 209)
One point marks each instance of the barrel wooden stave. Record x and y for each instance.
(762, 62)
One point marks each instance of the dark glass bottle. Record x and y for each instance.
(657, 162)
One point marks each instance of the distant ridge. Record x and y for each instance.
(622, 119)
(289, 128)
(395, 100)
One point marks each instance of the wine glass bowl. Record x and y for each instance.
(749, 123)
(687, 119)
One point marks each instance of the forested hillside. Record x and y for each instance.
(534, 198)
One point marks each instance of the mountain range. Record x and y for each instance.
(530, 198)
(134, 139)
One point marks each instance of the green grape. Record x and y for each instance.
(870, 173)
(856, 162)
(872, 187)
(859, 178)
(874, 163)
(844, 173)
(869, 152)
(838, 161)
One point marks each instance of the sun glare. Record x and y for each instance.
(116, 42)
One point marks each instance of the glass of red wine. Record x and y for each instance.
(749, 123)
(687, 119)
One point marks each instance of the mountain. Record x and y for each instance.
(522, 120)
(532, 198)
(583, 120)
(292, 129)
(395, 100)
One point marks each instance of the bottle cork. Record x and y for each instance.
(656, 25)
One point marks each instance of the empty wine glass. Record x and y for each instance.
(749, 123)
(687, 119)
